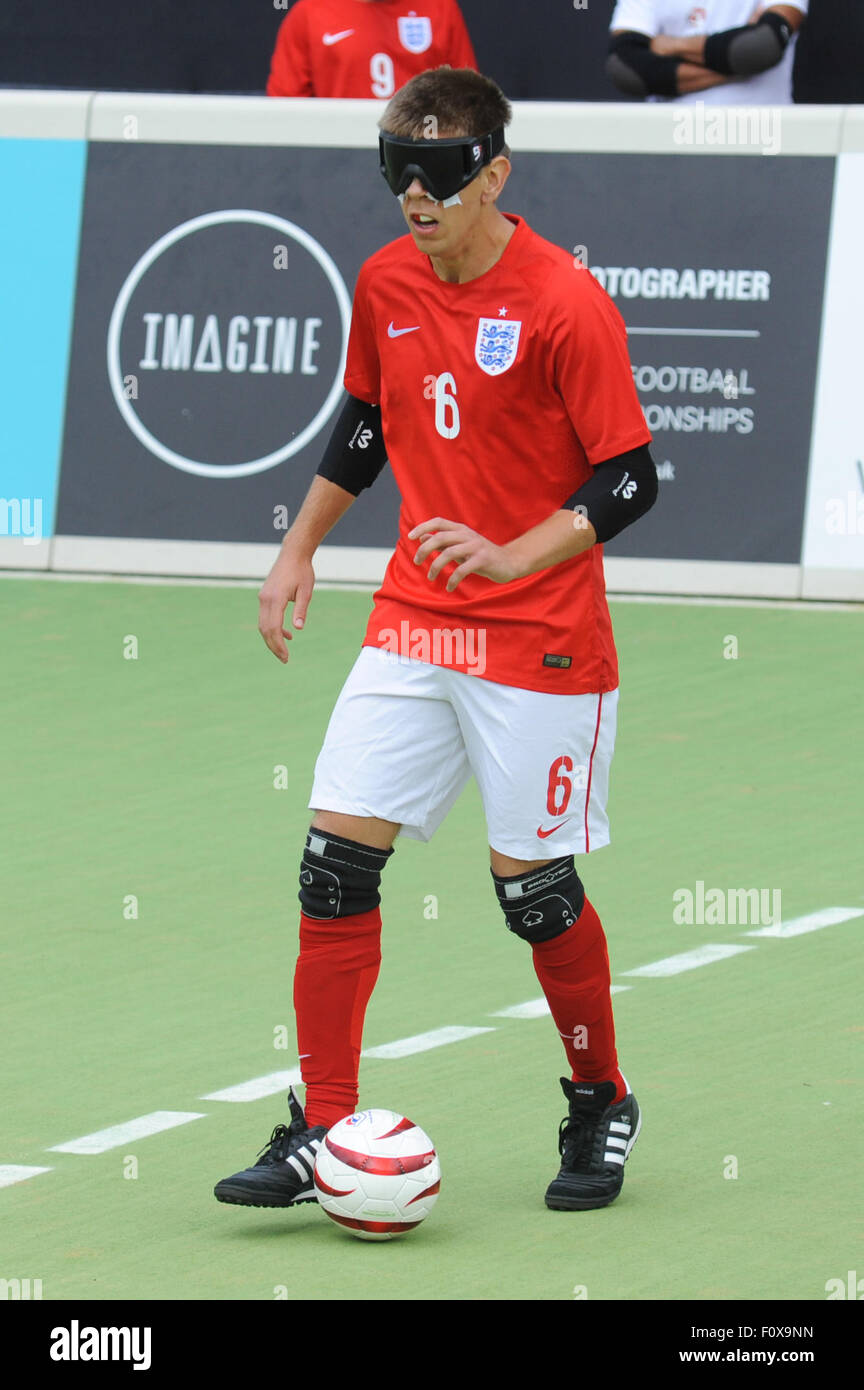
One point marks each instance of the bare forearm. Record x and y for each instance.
(559, 537)
(691, 49)
(692, 78)
(325, 503)
(692, 75)
(292, 578)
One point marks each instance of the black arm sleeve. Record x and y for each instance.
(355, 452)
(752, 48)
(620, 490)
(639, 72)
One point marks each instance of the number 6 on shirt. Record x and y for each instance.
(444, 403)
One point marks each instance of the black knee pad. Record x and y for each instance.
(542, 903)
(339, 877)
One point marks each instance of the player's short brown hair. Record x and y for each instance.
(450, 101)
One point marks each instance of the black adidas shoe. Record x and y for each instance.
(282, 1176)
(594, 1141)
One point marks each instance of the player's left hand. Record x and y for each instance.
(458, 545)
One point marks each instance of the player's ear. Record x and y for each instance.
(496, 175)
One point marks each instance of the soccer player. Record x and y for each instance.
(492, 371)
(722, 52)
(364, 48)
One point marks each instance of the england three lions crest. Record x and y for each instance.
(415, 33)
(497, 345)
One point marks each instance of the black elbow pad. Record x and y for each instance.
(355, 452)
(639, 72)
(749, 50)
(619, 491)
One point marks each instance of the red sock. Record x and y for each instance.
(573, 970)
(333, 981)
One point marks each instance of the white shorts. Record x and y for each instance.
(405, 736)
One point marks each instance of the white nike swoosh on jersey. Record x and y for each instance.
(397, 332)
(334, 38)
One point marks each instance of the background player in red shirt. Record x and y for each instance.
(364, 48)
(493, 372)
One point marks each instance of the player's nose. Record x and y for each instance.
(415, 189)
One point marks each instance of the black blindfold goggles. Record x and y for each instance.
(442, 166)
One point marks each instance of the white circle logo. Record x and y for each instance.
(115, 372)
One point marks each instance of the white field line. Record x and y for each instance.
(258, 1087)
(802, 605)
(786, 605)
(180, 581)
(262, 1086)
(117, 1135)
(423, 1042)
(814, 921)
(539, 1008)
(16, 1172)
(532, 1008)
(687, 960)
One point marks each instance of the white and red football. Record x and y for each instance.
(377, 1174)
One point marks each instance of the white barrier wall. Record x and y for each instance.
(177, 272)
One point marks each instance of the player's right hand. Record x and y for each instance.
(289, 581)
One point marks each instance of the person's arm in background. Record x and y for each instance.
(692, 78)
(290, 68)
(741, 52)
(637, 68)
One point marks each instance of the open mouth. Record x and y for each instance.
(423, 222)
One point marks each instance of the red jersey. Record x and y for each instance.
(497, 396)
(364, 48)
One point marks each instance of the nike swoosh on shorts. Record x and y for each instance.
(544, 834)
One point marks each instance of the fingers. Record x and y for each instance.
(433, 529)
(274, 634)
(278, 591)
(442, 546)
(435, 534)
(469, 566)
(277, 645)
(435, 523)
(271, 617)
(468, 559)
(451, 544)
(301, 603)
